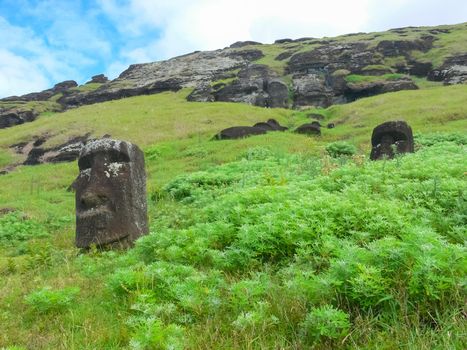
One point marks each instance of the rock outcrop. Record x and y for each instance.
(99, 79)
(255, 84)
(240, 132)
(288, 74)
(14, 117)
(453, 71)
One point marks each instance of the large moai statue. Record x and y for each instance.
(111, 206)
(390, 138)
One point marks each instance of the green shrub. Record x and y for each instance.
(260, 318)
(356, 78)
(382, 241)
(257, 153)
(324, 322)
(432, 139)
(340, 148)
(152, 334)
(47, 300)
(15, 227)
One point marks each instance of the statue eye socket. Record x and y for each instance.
(84, 163)
(118, 157)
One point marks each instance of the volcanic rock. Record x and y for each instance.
(16, 117)
(239, 132)
(111, 206)
(309, 129)
(390, 138)
(453, 71)
(100, 79)
(240, 44)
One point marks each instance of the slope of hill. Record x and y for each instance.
(273, 241)
(288, 73)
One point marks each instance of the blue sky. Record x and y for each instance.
(45, 42)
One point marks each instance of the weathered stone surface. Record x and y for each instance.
(100, 79)
(312, 89)
(331, 125)
(66, 152)
(394, 48)
(255, 84)
(329, 58)
(46, 94)
(191, 70)
(453, 71)
(270, 125)
(390, 138)
(283, 41)
(239, 44)
(111, 207)
(419, 69)
(317, 123)
(284, 55)
(309, 129)
(13, 117)
(356, 91)
(239, 132)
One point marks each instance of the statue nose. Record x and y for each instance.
(92, 200)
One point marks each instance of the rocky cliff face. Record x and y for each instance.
(289, 73)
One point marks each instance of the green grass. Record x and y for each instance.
(240, 257)
(249, 237)
(225, 81)
(38, 106)
(144, 120)
(356, 78)
(448, 45)
(87, 87)
(376, 66)
(271, 51)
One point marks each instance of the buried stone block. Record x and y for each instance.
(111, 207)
(239, 132)
(390, 138)
(309, 129)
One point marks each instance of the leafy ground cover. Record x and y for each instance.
(274, 250)
(274, 241)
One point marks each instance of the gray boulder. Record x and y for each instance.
(239, 132)
(309, 129)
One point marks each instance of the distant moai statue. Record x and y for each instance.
(390, 138)
(111, 206)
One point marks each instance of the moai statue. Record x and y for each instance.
(309, 129)
(111, 207)
(390, 138)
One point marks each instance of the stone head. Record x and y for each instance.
(111, 207)
(389, 137)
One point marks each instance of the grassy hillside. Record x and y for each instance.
(260, 243)
(447, 44)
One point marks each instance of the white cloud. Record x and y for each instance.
(72, 37)
(19, 75)
(187, 26)
(64, 45)
(212, 24)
